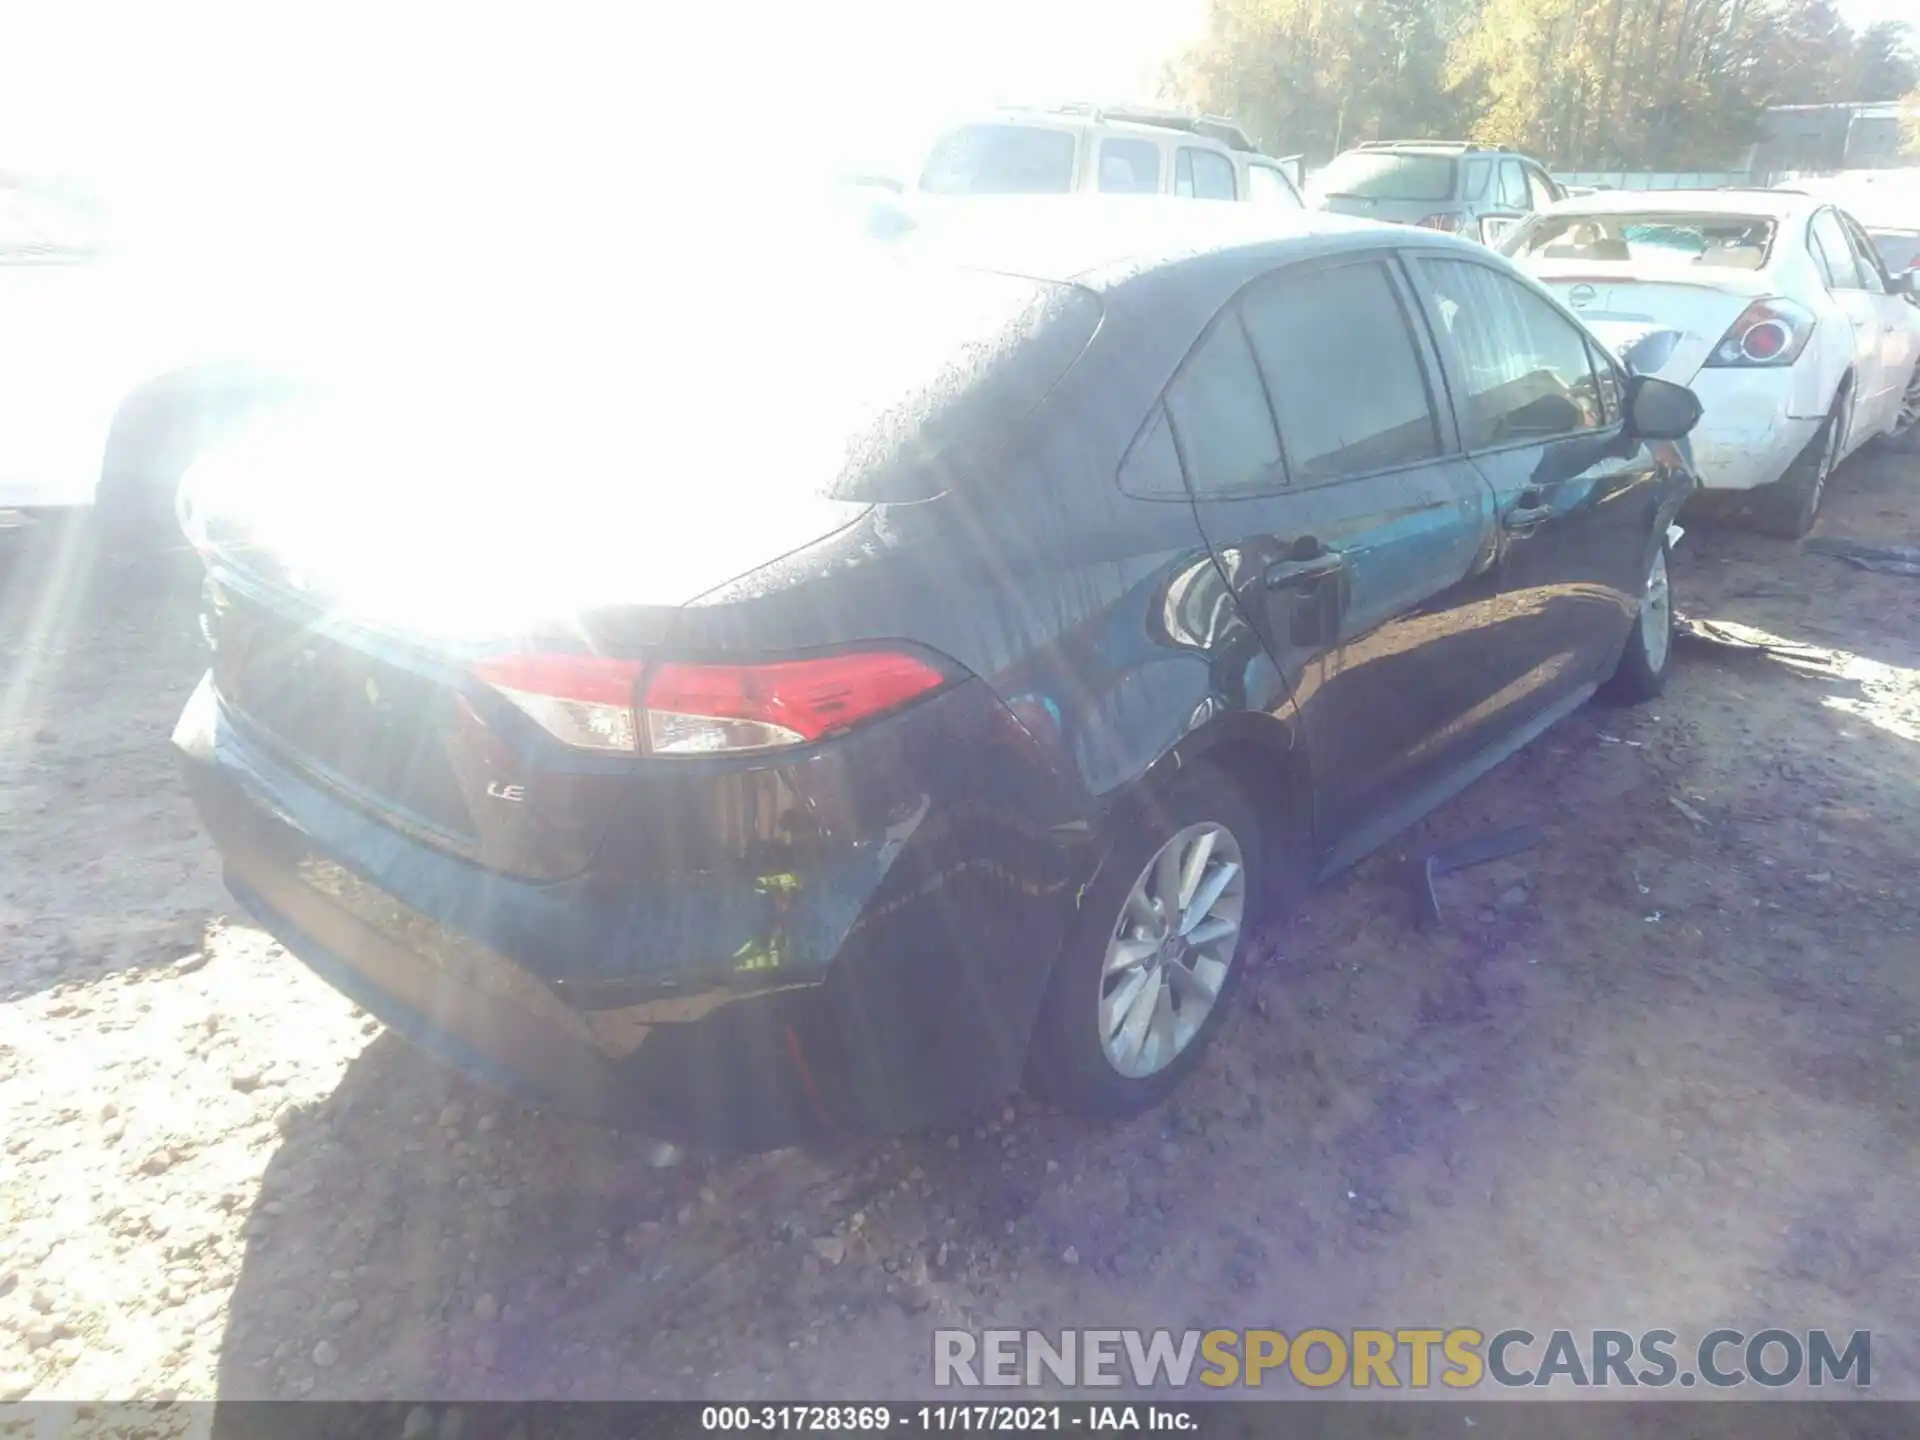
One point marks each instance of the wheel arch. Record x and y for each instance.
(164, 420)
(1262, 756)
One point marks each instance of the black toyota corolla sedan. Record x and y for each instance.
(815, 698)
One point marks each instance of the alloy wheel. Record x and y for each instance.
(1656, 613)
(1172, 947)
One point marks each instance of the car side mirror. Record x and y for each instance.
(1660, 410)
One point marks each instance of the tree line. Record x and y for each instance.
(1583, 84)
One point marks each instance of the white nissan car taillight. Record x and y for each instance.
(1771, 332)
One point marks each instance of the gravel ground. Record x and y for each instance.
(1655, 1073)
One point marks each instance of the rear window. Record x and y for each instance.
(1000, 160)
(1737, 242)
(1266, 184)
(1389, 175)
(876, 385)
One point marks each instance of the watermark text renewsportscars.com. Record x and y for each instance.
(1442, 1360)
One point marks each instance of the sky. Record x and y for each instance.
(140, 95)
(1862, 13)
(268, 110)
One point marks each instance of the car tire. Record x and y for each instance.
(1642, 671)
(1904, 438)
(1790, 505)
(1079, 1059)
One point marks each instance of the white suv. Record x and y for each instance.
(1083, 149)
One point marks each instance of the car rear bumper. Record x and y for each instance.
(1746, 437)
(891, 985)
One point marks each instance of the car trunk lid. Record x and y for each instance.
(347, 608)
(586, 487)
(1700, 308)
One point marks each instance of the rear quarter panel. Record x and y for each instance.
(1098, 617)
(1816, 376)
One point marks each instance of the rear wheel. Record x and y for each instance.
(1144, 981)
(1790, 505)
(1905, 435)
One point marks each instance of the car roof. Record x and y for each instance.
(1452, 149)
(1773, 204)
(1438, 147)
(1099, 240)
(1032, 119)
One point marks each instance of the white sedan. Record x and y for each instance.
(1799, 344)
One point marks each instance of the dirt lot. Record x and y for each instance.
(1656, 1073)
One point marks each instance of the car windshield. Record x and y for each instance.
(1000, 160)
(1388, 175)
(1737, 242)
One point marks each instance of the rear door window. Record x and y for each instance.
(1203, 175)
(1866, 259)
(1345, 371)
(1479, 172)
(1829, 239)
(1129, 166)
(995, 159)
(1221, 418)
(1513, 186)
(1527, 371)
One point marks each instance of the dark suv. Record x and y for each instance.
(949, 715)
(1453, 186)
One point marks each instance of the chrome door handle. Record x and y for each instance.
(1525, 517)
(1287, 573)
(1530, 508)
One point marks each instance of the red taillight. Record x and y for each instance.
(1764, 342)
(676, 708)
(717, 709)
(1768, 332)
(1441, 220)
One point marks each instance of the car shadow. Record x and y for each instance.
(1868, 501)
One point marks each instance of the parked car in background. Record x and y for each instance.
(109, 381)
(1115, 566)
(1452, 186)
(1112, 150)
(1887, 205)
(1899, 249)
(1799, 343)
